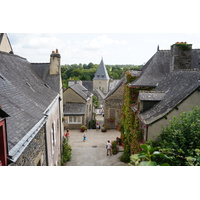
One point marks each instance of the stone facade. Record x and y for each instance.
(35, 152)
(181, 59)
(102, 85)
(70, 96)
(80, 109)
(113, 108)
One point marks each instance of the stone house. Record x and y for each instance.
(114, 101)
(173, 79)
(31, 94)
(78, 106)
(113, 106)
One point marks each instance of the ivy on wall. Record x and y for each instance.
(131, 132)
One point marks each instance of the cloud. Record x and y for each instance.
(100, 42)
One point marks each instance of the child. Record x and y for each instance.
(84, 136)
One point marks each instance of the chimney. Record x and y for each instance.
(181, 56)
(55, 62)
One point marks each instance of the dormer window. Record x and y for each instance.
(98, 75)
(102, 75)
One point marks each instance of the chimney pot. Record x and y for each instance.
(56, 50)
(53, 51)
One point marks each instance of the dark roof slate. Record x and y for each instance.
(154, 70)
(177, 86)
(42, 69)
(119, 83)
(23, 95)
(81, 90)
(101, 72)
(88, 85)
(151, 95)
(75, 109)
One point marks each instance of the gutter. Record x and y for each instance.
(18, 149)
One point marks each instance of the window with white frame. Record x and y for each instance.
(75, 120)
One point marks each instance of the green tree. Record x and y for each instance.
(181, 139)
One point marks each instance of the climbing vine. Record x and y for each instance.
(131, 133)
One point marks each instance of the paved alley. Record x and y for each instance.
(93, 151)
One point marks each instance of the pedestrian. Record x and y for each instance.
(109, 148)
(67, 133)
(97, 125)
(84, 136)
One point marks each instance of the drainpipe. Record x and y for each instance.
(61, 140)
(45, 132)
(147, 133)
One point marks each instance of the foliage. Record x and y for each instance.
(181, 139)
(86, 72)
(146, 156)
(114, 147)
(66, 155)
(183, 46)
(83, 128)
(95, 101)
(104, 128)
(131, 132)
(92, 124)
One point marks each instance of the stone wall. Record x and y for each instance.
(181, 59)
(113, 106)
(101, 85)
(35, 152)
(70, 96)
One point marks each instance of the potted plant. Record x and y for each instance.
(112, 119)
(83, 128)
(104, 128)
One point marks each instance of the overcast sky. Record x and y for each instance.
(122, 32)
(119, 48)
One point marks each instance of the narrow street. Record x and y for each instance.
(93, 151)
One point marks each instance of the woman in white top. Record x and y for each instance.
(109, 148)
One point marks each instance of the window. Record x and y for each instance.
(53, 137)
(75, 120)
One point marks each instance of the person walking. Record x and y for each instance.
(84, 136)
(67, 133)
(109, 148)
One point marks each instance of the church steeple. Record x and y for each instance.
(101, 72)
(101, 78)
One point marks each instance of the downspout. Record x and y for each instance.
(61, 139)
(147, 133)
(46, 149)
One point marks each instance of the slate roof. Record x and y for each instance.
(88, 85)
(82, 91)
(177, 86)
(75, 109)
(101, 72)
(158, 67)
(23, 95)
(154, 70)
(53, 81)
(151, 95)
(135, 72)
(119, 83)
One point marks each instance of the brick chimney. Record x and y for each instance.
(181, 56)
(55, 62)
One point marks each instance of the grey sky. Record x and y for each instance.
(119, 48)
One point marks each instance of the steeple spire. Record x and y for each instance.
(101, 71)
